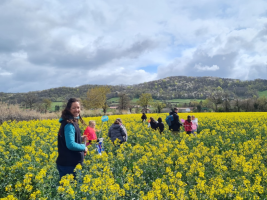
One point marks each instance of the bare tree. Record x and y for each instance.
(144, 100)
(238, 104)
(39, 107)
(137, 109)
(199, 107)
(131, 106)
(124, 102)
(262, 103)
(158, 106)
(30, 99)
(47, 104)
(247, 105)
(105, 107)
(193, 104)
(207, 103)
(216, 99)
(226, 98)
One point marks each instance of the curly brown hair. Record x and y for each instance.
(66, 114)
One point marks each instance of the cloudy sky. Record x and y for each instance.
(54, 43)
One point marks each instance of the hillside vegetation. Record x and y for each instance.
(176, 87)
(263, 93)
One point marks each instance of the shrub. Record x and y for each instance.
(14, 112)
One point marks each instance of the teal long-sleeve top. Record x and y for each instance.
(69, 132)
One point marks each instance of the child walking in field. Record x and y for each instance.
(188, 125)
(160, 125)
(144, 117)
(195, 124)
(90, 132)
(152, 123)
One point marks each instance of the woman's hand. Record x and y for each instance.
(84, 137)
(85, 151)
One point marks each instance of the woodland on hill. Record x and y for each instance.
(181, 87)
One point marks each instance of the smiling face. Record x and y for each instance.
(75, 109)
(92, 124)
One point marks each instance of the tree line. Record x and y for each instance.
(218, 101)
(218, 98)
(97, 97)
(176, 87)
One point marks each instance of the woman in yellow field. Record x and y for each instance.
(70, 150)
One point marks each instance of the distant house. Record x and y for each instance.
(113, 107)
(166, 110)
(184, 110)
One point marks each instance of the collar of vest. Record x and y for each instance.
(69, 117)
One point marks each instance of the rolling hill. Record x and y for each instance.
(176, 87)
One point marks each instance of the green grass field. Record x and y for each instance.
(183, 100)
(116, 100)
(53, 104)
(134, 100)
(263, 93)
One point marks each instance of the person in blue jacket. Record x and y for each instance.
(70, 150)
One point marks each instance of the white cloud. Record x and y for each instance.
(199, 67)
(46, 44)
(5, 73)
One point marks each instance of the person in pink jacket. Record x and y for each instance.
(188, 125)
(90, 132)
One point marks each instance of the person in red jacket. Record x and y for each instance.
(90, 132)
(188, 125)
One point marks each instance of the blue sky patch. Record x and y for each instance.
(150, 68)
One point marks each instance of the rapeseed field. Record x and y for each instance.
(226, 160)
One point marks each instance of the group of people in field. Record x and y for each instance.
(116, 131)
(153, 123)
(72, 144)
(190, 124)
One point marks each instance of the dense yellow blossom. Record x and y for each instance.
(225, 160)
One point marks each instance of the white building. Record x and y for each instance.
(184, 110)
